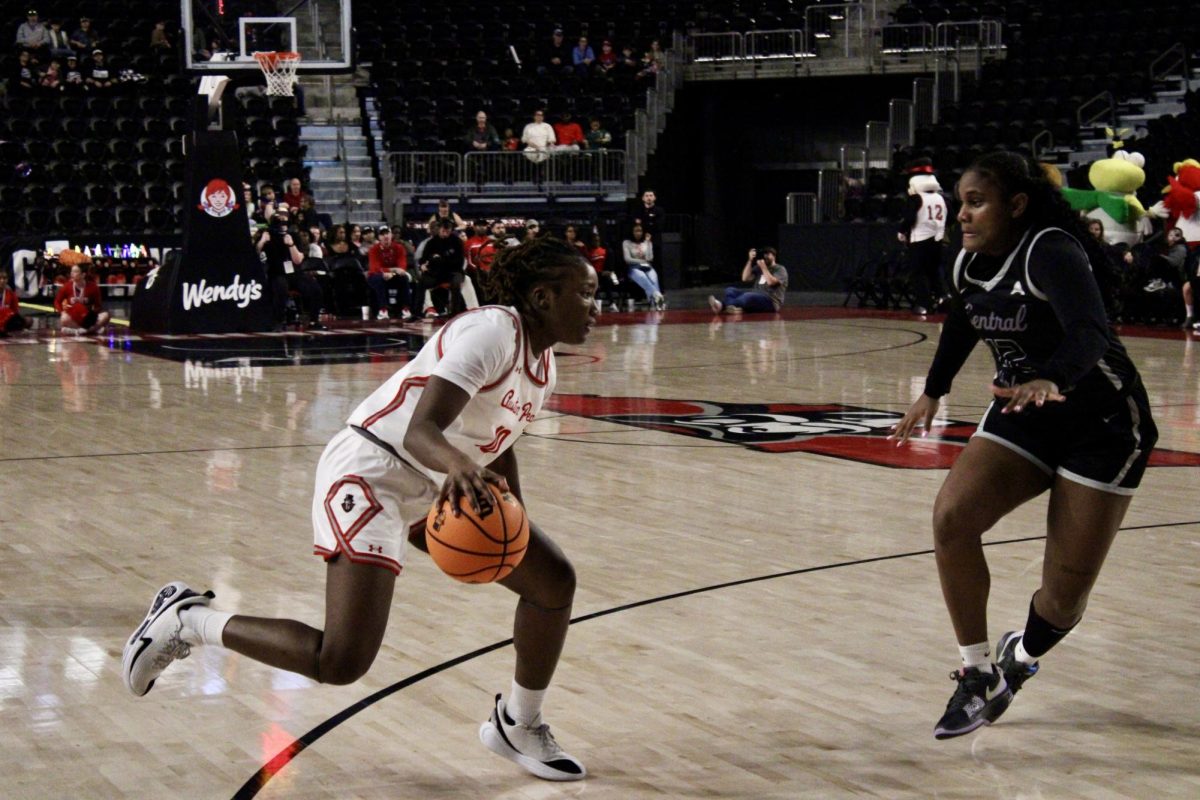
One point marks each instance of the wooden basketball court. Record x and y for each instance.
(758, 613)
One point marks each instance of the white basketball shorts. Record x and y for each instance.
(364, 501)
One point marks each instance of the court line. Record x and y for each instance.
(162, 452)
(259, 779)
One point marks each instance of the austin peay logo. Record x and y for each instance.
(217, 199)
(201, 294)
(831, 429)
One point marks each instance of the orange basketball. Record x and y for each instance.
(478, 549)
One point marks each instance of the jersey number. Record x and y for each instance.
(936, 213)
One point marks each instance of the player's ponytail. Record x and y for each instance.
(517, 270)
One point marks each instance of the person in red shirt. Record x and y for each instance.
(387, 263)
(10, 309)
(81, 311)
(568, 133)
(294, 193)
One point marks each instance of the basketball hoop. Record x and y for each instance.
(279, 68)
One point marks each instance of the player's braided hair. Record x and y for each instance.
(517, 270)
(1013, 174)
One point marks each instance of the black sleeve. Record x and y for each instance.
(912, 206)
(955, 344)
(1059, 269)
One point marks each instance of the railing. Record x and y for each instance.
(831, 195)
(717, 47)
(1036, 145)
(917, 36)
(984, 33)
(784, 43)
(1095, 108)
(801, 208)
(849, 20)
(878, 141)
(901, 123)
(924, 100)
(1173, 59)
(853, 161)
(513, 174)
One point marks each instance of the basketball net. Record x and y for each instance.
(279, 68)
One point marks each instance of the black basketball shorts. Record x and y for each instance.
(1104, 445)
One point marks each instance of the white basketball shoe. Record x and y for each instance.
(531, 746)
(157, 641)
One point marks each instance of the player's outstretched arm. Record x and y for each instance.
(920, 415)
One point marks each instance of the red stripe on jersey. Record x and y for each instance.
(494, 446)
(519, 330)
(398, 400)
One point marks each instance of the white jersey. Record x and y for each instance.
(485, 352)
(931, 218)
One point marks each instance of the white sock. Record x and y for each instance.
(203, 625)
(975, 655)
(525, 705)
(1021, 656)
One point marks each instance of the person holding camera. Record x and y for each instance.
(282, 257)
(768, 280)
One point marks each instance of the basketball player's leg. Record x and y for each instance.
(358, 598)
(545, 582)
(987, 481)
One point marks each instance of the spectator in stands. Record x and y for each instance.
(444, 213)
(368, 240)
(51, 81)
(768, 282)
(533, 229)
(306, 215)
(538, 137)
(316, 247)
(658, 55)
(582, 57)
(158, 37)
(442, 271)
(85, 39)
(647, 68)
(475, 242)
(571, 237)
(567, 133)
(639, 258)
(510, 141)
(266, 194)
(481, 136)
(10, 308)
(32, 35)
(387, 268)
(24, 79)
(627, 64)
(294, 193)
(100, 78)
(72, 80)
(80, 309)
(282, 257)
(648, 213)
(556, 57)
(597, 137)
(58, 41)
(607, 280)
(339, 242)
(607, 61)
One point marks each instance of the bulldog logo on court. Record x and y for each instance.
(830, 429)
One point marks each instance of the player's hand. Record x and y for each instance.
(920, 415)
(287, 240)
(470, 482)
(1039, 392)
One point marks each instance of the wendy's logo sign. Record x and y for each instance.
(830, 429)
(217, 199)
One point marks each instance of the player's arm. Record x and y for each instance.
(441, 403)
(505, 465)
(955, 344)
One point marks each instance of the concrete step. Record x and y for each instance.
(338, 174)
(330, 132)
(325, 150)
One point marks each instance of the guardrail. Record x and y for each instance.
(521, 173)
(916, 36)
(984, 33)
(1096, 108)
(1166, 63)
(801, 208)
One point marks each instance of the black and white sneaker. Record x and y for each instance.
(531, 746)
(1015, 673)
(157, 642)
(980, 698)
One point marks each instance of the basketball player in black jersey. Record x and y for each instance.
(1069, 415)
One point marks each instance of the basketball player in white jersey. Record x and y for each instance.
(441, 428)
(924, 228)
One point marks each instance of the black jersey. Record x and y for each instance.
(1040, 312)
